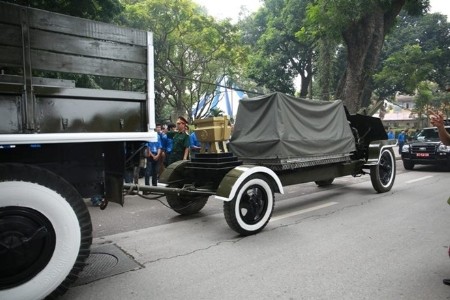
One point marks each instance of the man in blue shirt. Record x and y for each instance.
(390, 134)
(194, 144)
(168, 144)
(401, 141)
(162, 157)
(152, 153)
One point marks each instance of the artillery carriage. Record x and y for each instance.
(278, 140)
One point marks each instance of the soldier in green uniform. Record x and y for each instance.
(180, 150)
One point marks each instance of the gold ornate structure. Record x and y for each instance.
(213, 133)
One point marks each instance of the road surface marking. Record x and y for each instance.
(419, 179)
(302, 211)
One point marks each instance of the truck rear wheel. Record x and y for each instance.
(383, 174)
(252, 206)
(45, 233)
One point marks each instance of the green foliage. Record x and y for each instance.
(424, 94)
(100, 10)
(361, 27)
(190, 49)
(426, 91)
(405, 69)
(331, 17)
(278, 56)
(417, 49)
(415, 7)
(216, 112)
(283, 40)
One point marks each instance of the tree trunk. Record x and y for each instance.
(325, 68)
(306, 76)
(179, 109)
(364, 41)
(305, 80)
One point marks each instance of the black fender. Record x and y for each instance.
(174, 173)
(375, 150)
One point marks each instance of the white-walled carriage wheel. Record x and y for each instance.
(252, 206)
(383, 174)
(45, 233)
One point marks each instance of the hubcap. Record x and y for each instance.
(385, 168)
(27, 242)
(253, 204)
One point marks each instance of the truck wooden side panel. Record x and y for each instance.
(36, 44)
(49, 63)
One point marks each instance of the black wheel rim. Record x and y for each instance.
(253, 204)
(385, 168)
(27, 243)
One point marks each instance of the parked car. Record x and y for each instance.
(426, 149)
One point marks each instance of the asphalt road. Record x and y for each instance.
(344, 242)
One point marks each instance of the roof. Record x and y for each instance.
(403, 115)
(397, 113)
(404, 98)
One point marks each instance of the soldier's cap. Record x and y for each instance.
(183, 120)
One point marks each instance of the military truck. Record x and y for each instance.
(60, 143)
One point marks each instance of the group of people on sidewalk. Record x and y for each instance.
(402, 137)
(174, 143)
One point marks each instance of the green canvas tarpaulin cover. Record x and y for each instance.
(281, 128)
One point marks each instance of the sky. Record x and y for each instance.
(222, 9)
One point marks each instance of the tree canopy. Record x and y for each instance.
(362, 27)
(278, 56)
(100, 10)
(349, 47)
(418, 49)
(191, 49)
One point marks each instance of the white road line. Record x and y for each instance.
(302, 211)
(419, 179)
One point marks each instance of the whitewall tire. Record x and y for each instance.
(46, 220)
(250, 210)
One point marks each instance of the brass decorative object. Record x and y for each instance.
(213, 133)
